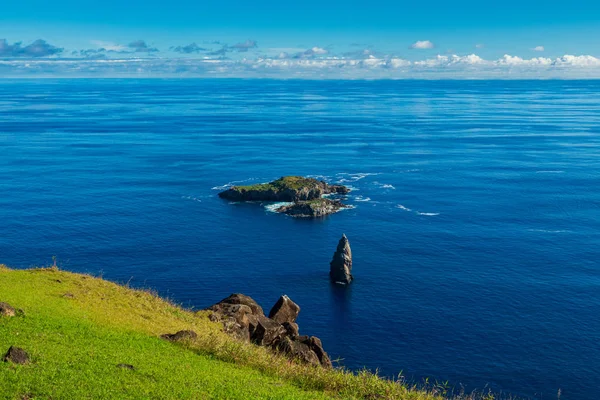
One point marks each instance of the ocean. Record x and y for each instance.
(475, 227)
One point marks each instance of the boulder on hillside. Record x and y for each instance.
(6, 310)
(16, 355)
(243, 319)
(180, 336)
(265, 331)
(314, 343)
(340, 268)
(285, 310)
(292, 329)
(238, 298)
(298, 350)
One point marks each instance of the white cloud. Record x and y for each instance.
(108, 46)
(372, 67)
(319, 51)
(538, 48)
(422, 44)
(479, 46)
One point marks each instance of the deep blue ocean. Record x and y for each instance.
(475, 232)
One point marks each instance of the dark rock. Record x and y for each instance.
(265, 331)
(312, 209)
(244, 319)
(238, 330)
(126, 366)
(303, 338)
(6, 310)
(285, 310)
(298, 350)
(315, 345)
(16, 355)
(236, 311)
(180, 336)
(291, 328)
(341, 266)
(287, 188)
(238, 298)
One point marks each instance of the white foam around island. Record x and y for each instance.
(273, 207)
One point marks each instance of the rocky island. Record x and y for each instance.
(305, 194)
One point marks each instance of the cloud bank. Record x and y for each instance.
(325, 67)
(189, 49)
(39, 48)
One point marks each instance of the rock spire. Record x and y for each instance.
(341, 266)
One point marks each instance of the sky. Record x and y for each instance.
(309, 38)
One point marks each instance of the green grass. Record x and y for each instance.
(283, 183)
(76, 341)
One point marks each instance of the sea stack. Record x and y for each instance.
(341, 266)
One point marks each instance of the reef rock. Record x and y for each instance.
(312, 208)
(340, 268)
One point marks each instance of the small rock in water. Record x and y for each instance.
(340, 268)
(16, 355)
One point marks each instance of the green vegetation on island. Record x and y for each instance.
(287, 188)
(89, 338)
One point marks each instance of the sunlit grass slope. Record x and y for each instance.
(77, 329)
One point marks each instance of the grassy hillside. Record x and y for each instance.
(78, 328)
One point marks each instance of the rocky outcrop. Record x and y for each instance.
(312, 209)
(16, 355)
(279, 331)
(287, 188)
(242, 299)
(340, 268)
(6, 310)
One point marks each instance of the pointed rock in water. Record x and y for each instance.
(341, 266)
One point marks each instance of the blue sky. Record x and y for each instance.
(407, 30)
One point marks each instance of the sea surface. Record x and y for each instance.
(475, 228)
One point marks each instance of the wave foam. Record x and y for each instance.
(428, 214)
(361, 198)
(549, 230)
(400, 206)
(232, 183)
(192, 198)
(273, 207)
